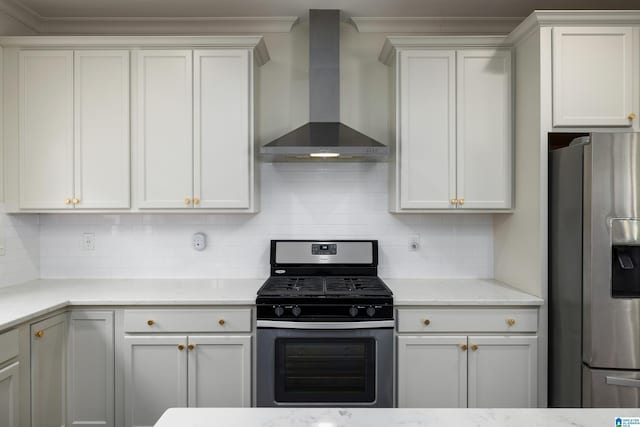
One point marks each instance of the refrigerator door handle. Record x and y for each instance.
(623, 382)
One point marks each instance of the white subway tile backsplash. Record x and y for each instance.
(299, 200)
(21, 237)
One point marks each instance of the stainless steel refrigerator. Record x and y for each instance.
(594, 272)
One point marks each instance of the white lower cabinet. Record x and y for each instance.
(90, 368)
(9, 395)
(457, 371)
(162, 372)
(503, 372)
(432, 372)
(48, 372)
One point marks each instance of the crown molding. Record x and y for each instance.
(547, 18)
(256, 43)
(435, 25)
(393, 43)
(145, 25)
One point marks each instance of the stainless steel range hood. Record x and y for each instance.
(324, 137)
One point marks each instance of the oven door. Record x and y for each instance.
(319, 366)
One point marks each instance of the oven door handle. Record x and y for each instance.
(325, 325)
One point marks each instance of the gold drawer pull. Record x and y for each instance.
(150, 322)
(180, 347)
(76, 201)
(454, 201)
(221, 322)
(632, 116)
(67, 201)
(474, 347)
(426, 322)
(39, 334)
(463, 347)
(196, 201)
(461, 201)
(511, 322)
(187, 201)
(191, 347)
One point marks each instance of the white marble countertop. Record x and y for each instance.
(26, 301)
(457, 292)
(370, 417)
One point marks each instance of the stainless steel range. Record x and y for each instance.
(325, 326)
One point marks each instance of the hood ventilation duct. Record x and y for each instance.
(324, 137)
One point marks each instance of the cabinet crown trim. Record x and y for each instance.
(394, 43)
(255, 43)
(547, 18)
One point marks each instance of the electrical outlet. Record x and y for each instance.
(414, 242)
(88, 241)
(199, 241)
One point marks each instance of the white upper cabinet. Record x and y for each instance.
(164, 128)
(74, 129)
(101, 82)
(453, 126)
(484, 149)
(592, 76)
(427, 151)
(223, 141)
(46, 129)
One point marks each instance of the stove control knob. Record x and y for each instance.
(296, 310)
(353, 311)
(279, 310)
(371, 311)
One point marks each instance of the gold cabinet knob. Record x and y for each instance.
(426, 322)
(39, 334)
(191, 347)
(180, 347)
(76, 201)
(511, 322)
(196, 201)
(463, 347)
(150, 322)
(461, 201)
(67, 201)
(454, 201)
(187, 201)
(221, 322)
(474, 347)
(632, 116)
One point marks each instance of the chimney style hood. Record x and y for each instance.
(324, 137)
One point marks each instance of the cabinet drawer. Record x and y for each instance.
(8, 345)
(190, 321)
(467, 320)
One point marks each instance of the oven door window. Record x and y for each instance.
(325, 370)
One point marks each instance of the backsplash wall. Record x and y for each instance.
(299, 200)
(20, 235)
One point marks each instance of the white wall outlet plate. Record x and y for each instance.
(199, 241)
(414, 242)
(88, 241)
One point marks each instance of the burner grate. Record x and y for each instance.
(355, 286)
(288, 286)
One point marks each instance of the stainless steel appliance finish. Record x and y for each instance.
(324, 137)
(594, 280)
(325, 327)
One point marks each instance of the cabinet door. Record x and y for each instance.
(155, 377)
(484, 136)
(102, 129)
(10, 395)
(432, 372)
(48, 339)
(503, 372)
(223, 146)
(46, 129)
(592, 76)
(427, 129)
(90, 367)
(164, 129)
(220, 371)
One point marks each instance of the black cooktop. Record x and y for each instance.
(330, 286)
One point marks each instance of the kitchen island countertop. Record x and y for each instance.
(376, 417)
